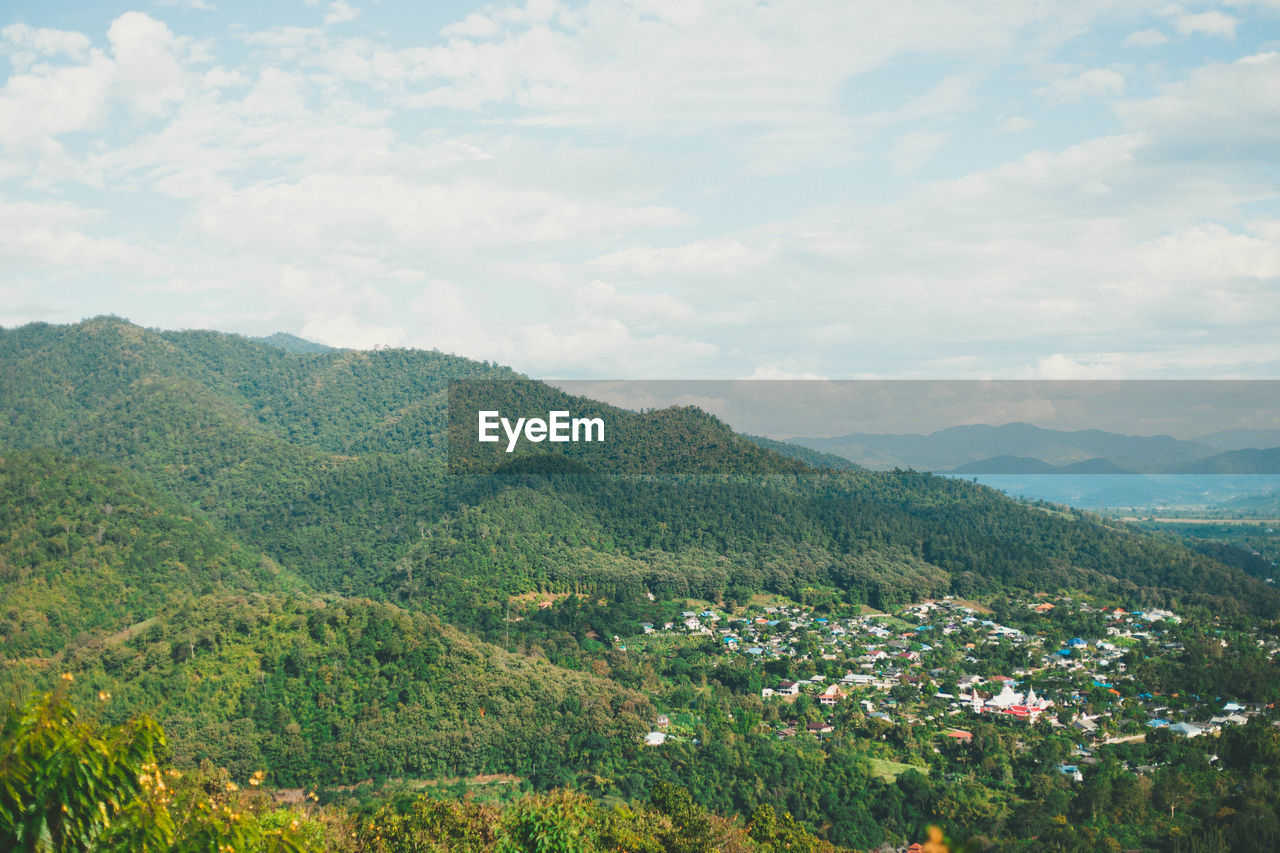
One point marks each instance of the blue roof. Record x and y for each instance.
(1064, 652)
(1097, 683)
(755, 650)
(1157, 723)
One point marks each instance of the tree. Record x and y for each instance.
(70, 785)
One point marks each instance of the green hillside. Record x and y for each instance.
(324, 690)
(107, 580)
(334, 465)
(269, 552)
(86, 549)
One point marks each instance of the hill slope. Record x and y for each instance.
(333, 464)
(85, 548)
(343, 690)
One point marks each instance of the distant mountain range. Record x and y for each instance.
(1021, 448)
(293, 343)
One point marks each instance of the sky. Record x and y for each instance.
(1057, 189)
(787, 408)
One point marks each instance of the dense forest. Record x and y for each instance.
(270, 550)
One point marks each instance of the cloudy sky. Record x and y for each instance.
(660, 188)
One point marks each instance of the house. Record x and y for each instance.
(655, 739)
(1085, 724)
(663, 721)
(960, 735)
(1188, 730)
(788, 688)
(821, 728)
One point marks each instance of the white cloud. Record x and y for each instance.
(1221, 109)
(345, 330)
(1145, 38)
(1209, 252)
(1059, 366)
(577, 342)
(53, 240)
(603, 184)
(1016, 124)
(915, 149)
(197, 5)
(775, 372)
(323, 210)
(340, 13)
(148, 76)
(1094, 83)
(26, 45)
(710, 257)
(1207, 23)
(37, 106)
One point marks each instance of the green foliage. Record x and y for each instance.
(71, 785)
(333, 464)
(150, 584)
(557, 823)
(431, 826)
(339, 691)
(776, 833)
(85, 548)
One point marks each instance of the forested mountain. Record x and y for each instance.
(808, 455)
(273, 553)
(245, 664)
(334, 465)
(88, 549)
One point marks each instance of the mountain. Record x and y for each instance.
(1240, 439)
(809, 456)
(1238, 462)
(281, 556)
(139, 598)
(293, 343)
(334, 465)
(958, 448)
(1023, 449)
(87, 548)
(1235, 462)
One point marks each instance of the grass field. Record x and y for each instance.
(891, 770)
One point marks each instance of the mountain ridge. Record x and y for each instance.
(1022, 448)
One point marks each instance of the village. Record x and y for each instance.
(943, 664)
